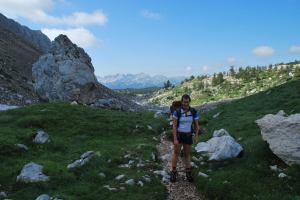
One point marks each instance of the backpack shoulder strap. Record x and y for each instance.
(178, 112)
(194, 112)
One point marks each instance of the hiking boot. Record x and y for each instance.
(173, 176)
(189, 175)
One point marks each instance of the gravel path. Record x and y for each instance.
(181, 189)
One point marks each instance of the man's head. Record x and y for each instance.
(185, 101)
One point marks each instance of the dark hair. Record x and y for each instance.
(186, 96)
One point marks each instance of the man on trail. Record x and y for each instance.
(185, 120)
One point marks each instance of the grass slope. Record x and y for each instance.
(74, 130)
(250, 177)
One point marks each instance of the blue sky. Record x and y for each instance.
(169, 37)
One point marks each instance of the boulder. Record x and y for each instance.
(282, 133)
(32, 172)
(221, 146)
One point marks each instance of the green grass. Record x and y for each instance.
(74, 130)
(250, 177)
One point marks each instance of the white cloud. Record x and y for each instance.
(80, 36)
(150, 15)
(231, 60)
(36, 11)
(263, 51)
(188, 68)
(205, 68)
(294, 49)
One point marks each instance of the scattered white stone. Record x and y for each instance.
(43, 197)
(101, 174)
(7, 107)
(109, 160)
(130, 182)
(203, 174)
(274, 168)
(153, 156)
(149, 127)
(3, 194)
(74, 103)
(22, 146)
(146, 178)
(127, 156)
(194, 158)
(130, 162)
(194, 165)
(124, 166)
(141, 183)
(110, 188)
(216, 115)
(41, 137)
(166, 157)
(226, 182)
(32, 172)
(154, 138)
(140, 165)
(282, 175)
(122, 188)
(162, 173)
(120, 177)
(84, 158)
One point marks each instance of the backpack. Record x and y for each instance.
(193, 111)
(175, 105)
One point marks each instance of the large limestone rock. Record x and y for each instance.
(283, 135)
(221, 146)
(66, 73)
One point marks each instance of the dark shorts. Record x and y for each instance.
(185, 138)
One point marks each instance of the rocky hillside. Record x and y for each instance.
(35, 37)
(20, 47)
(16, 59)
(232, 84)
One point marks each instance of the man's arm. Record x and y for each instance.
(175, 131)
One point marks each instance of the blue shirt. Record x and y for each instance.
(186, 120)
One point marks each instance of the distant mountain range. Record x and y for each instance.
(137, 81)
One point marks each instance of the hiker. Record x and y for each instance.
(185, 120)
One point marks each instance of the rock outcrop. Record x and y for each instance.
(282, 133)
(66, 73)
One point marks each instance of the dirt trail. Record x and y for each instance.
(181, 189)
